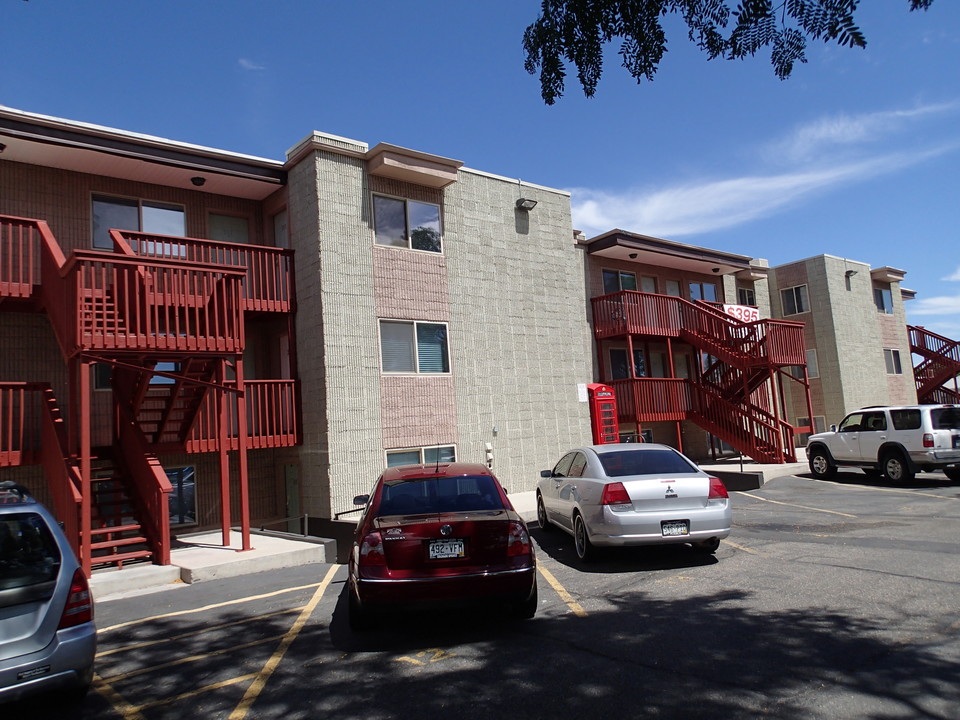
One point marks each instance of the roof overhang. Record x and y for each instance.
(399, 163)
(80, 147)
(646, 250)
(887, 274)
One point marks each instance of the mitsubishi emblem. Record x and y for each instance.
(670, 493)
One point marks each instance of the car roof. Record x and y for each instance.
(434, 470)
(903, 407)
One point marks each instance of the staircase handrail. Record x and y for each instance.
(20, 256)
(944, 346)
(149, 484)
(62, 472)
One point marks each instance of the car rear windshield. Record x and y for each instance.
(414, 496)
(644, 462)
(945, 418)
(29, 559)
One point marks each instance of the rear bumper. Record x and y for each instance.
(65, 664)
(612, 529)
(514, 585)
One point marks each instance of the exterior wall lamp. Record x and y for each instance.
(198, 181)
(526, 204)
(850, 273)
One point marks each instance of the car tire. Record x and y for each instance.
(542, 520)
(581, 540)
(820, 464)
(896, 468)
(360, 619)
(952, 474)
(526, 609)
(707, 547)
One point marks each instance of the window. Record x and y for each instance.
(228, 228)
(746, 296)
(648, 284)
(619, 369)
(819, 425)
(905, 419)
(703, 291)
(413, 347)
(433, 495)
(423, 455)
(883, 299)
(183, 499)
(616, 280)
(673, 288)
(578, 465)
(406, 223)
(892, 360)
(643, 462)
(102, 376)
(795, 300)
(136, 215)
(813, 367)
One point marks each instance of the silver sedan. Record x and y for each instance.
(632, 494)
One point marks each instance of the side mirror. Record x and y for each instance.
(546, 473)
(833, 428)
(361, 499)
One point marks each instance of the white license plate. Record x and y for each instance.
(440, 549)
(672, 528)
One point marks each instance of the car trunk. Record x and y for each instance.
(436, 544)
(681, 492)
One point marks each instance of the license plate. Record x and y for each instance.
(672, 528)
(441, 549)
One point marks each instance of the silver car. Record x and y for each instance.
(632, 494)
(47, 636)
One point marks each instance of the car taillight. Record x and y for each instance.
(717, 489)
(928, 440)
(615, 494)
(79, 607)
(371, 550)
(518, 541)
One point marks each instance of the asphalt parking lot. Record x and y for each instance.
(831, 599)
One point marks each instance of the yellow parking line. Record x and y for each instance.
(256, 687)
(198, 691)
(802, 507)
(238, 601)
(899, 491)
(741, 547)
(116, 700)
(562, 592)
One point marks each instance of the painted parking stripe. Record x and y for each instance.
(574, 606)
(898, 491)
(802, 507)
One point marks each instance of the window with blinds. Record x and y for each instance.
(413, 347)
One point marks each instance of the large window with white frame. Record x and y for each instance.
(795, 300)
(414, 347)
(422, 455)
(407, 224)
(136, 215)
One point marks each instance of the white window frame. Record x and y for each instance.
(745, 294)
(414, 324)
(880, 297)
(891, 359)
(421, 451)
(813, 364)
(801, 300)
(406, 217)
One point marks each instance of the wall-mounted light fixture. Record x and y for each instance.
(716, 270)
(2, 147)
(632, 256)
(526, 204)
(198, 181)
(850, 273)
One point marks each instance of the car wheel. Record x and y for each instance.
(895, 467)
(707, 547)
(581, 540)
(820, 464)
(542, 520)
(952, 474)
(360, 619)
(526, 609)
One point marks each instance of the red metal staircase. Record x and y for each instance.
(734, 396)
(940, 365)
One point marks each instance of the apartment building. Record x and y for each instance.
(195, 338)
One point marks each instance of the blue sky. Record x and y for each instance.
(857, 155)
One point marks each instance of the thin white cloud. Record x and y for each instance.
(718, 204)
(827, 134)
(942, 305)
(953, 278)
(251, 65)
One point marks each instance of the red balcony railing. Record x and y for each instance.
(271, 417)
(19, 256)
(651, 399)
(629, 312)
(268, 283)
(21, 407)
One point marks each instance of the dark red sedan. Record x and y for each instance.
(437, 535)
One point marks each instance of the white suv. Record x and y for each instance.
(895, 441)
